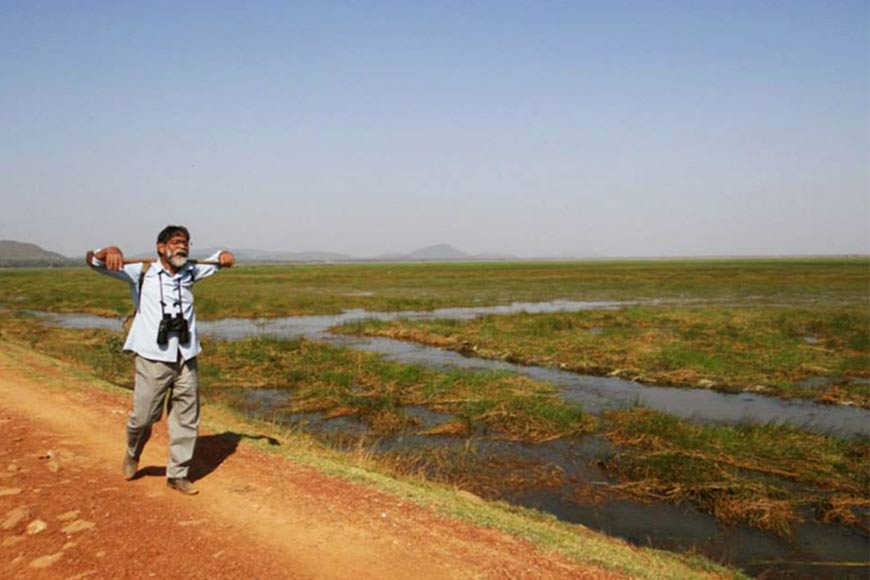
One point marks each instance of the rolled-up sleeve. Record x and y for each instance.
(205, 270)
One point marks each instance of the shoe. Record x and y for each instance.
(182, 484)
(130, 466)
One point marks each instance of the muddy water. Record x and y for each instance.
(595, 394)
(582, 493)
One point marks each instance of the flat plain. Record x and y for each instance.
(791, 328)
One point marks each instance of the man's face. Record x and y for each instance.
(175, 250)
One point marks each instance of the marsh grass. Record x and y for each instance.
(337, 381)
(284, 290)
(765, 351)
(821, 353)
(754, 474)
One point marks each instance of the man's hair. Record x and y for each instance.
(166, 233)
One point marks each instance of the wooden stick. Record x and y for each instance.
(152, 260)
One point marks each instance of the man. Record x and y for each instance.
(165, 341)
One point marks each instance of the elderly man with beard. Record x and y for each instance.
(165, 341)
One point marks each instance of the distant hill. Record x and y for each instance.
(442, 253)
(253, 255)
(436, 253)
(22, 254)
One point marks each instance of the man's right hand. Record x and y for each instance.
(114, 260)
(112, 257)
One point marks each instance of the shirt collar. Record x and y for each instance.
(180, 272)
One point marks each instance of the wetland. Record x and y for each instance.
(514, 402)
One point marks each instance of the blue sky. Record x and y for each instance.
(535, 128)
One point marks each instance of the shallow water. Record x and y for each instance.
(596, 394)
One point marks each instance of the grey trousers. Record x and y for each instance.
(155, 382)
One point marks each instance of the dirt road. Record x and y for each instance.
(66, 512)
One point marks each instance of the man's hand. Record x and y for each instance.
(112, 257)
(226, 259)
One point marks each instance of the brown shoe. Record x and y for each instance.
(129, 467)
(182, 484)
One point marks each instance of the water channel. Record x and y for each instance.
(595, 394)
(571, 496)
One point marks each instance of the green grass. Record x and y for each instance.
(830, 298)
(252, 291)
(817, 352)
(337, 381)
(341, 381)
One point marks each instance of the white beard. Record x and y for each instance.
(177, 259)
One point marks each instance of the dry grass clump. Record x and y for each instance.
(755, 475)
(516, 425)
(592, 493)
(488, 476)
(389, 421)
(336, 412)
(732, 502)
(414, 335)
(842, 509)
(455, 427)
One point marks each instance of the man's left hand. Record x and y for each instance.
(226, 259)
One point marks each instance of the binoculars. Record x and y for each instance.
(176, 324)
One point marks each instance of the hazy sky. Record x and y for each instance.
(537, 128)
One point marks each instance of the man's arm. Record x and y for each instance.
(110, 261)
(111, 257)
(222, 259)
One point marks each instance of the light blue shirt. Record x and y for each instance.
(142, 338)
